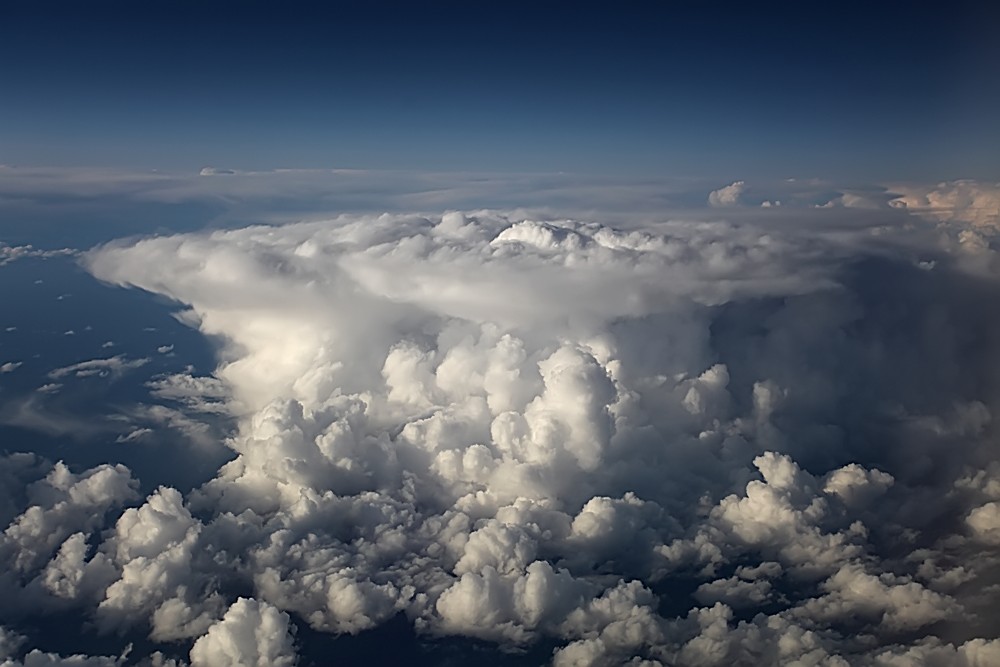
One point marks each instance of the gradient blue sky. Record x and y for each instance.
(681, 89)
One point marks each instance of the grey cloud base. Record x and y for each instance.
(677, 443)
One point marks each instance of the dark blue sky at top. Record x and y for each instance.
(684, 89)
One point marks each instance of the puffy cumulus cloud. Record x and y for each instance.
(735, 592)
(985, 522)
(962, 202)
(785, 517)
(728, 195)
(60, 505)
(251, 634)
(694, 443)
(36, 658)
(861, 200)
(154, 547)
(10, 642)
(932, 653)
(895, 602)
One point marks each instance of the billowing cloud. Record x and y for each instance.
(965, 201)
(251, 634)
(11, 644)
(727, 196)
(681, 442)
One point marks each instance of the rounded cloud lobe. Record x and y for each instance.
(686, 443)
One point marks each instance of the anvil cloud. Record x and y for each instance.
(767, 441)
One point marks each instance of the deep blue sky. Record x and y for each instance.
(683, 89)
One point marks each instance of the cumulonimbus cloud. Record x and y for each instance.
(516, 430)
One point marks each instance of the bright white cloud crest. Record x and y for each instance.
(512, 429)
(728, 195)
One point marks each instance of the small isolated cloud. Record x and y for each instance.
(111, 366)
(10, 366)
(164, 349)
(134, 435)
(859, 200)
(726, 196)
(212, 171)
(50, 388)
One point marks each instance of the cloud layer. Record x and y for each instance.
(696, 443)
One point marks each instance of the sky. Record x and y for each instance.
(676, 89)
(654, 335)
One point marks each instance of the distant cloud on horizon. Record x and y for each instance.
(726, 196)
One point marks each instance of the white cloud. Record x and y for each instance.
(934, 653)
(251, 634)
(735, 592)
(9, 253)
(196, 393)
(519, 428)
(727, 196)
(965, 201)
(10, 366)
(861, 200)
(111, 366)
(133, 435)
(897, 603)
(985, 522)
(511, 371)
(61, 504)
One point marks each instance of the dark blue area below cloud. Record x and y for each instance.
(80, 421)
